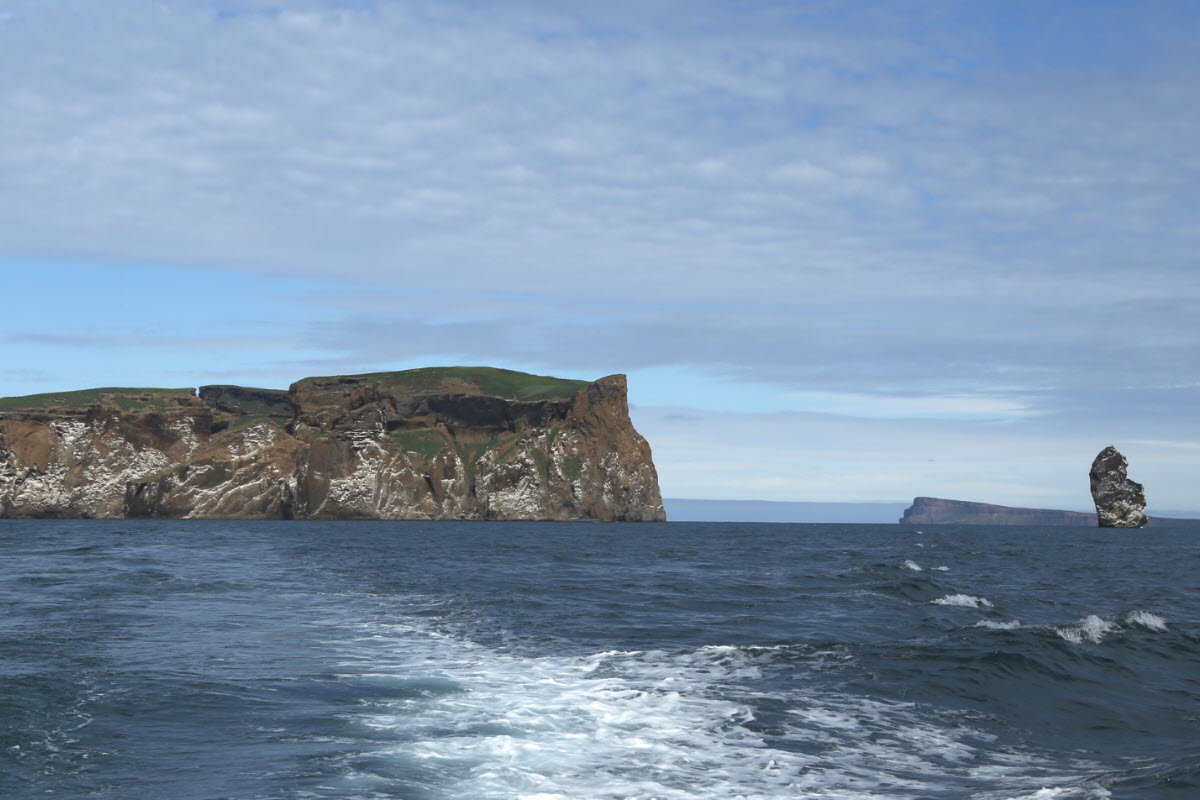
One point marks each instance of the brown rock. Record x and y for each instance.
(444, 443)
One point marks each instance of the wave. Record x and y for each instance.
(962, 601)
(1146, 620)
(1160, 779)
(909, 564)
(995, 625)
(1094, 629)
(1091, 629)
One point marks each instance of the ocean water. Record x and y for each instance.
(574, 661)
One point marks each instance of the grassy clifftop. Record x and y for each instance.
(127, 399)
(489, 381)
(320, 391)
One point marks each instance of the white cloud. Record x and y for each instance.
(881, 406)
(877, 208)
(387, 142)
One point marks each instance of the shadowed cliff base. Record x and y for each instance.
(438, 443)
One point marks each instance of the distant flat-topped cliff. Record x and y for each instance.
(439, 443)
(937, 511)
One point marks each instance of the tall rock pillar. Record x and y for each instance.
(1120, 502)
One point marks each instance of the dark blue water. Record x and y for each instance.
(573, 661)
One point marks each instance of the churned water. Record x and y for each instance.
(437, 661)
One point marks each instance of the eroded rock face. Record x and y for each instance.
(427, 444)
(1120, 502)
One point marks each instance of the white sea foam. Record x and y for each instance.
(1094, 629)
(962, 601)
(942, 569)
(1090, 629)
(1047, 794)
(1146, 620)
(489, 724)
(1085, 792)
(1011, 625)
(914, 566)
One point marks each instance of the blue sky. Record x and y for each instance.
(844, 251)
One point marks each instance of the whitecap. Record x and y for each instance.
(1045, 794)
(962, 601)
(1085, 792)
(1091, 628)
(942, 569)
(1065, 792)
(914, 566)
(990, 624)
(1146, 620)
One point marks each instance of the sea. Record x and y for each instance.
(196, 660)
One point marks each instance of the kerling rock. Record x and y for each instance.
(1120, 502)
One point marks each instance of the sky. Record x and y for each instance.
(845, 252)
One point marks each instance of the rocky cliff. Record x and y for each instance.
(937, 511)
(1120, 502)
(441, 443)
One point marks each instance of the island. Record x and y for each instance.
(939, 511)
(442, 443)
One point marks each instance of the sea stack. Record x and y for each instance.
(1120, 502)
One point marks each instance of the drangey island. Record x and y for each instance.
(458, 443)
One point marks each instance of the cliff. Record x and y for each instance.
(936, 511)
(440, 443)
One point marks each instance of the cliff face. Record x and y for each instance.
(1120, 502)
(448, 443)
(936, 511)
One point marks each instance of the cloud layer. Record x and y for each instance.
(989, 207)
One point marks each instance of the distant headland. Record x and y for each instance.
(438, 443)
(939, 511)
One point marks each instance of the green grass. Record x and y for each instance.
(427, 442)
(128, 399)
(542, 461)
(470, 455)
(491, 381)
(572, 468)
